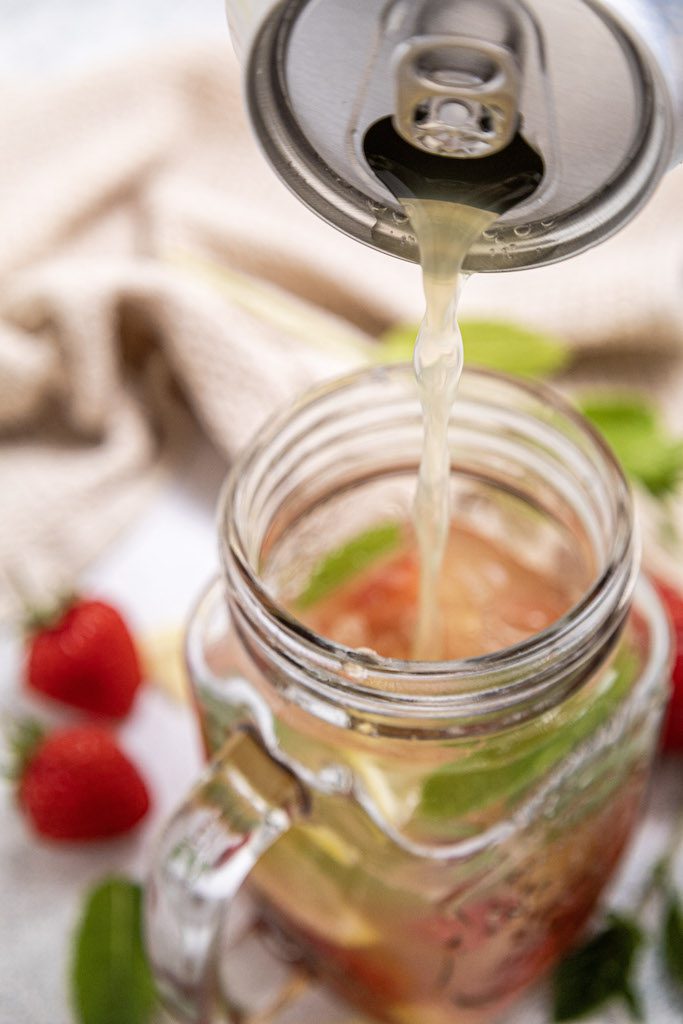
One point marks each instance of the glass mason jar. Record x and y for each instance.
(428, 836)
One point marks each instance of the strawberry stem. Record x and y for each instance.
(24, 736)
(33, 616)
(37, 618)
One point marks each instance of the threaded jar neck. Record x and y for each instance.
(512, 437)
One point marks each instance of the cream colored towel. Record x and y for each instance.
(148, 253)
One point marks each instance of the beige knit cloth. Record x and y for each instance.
(148, 253)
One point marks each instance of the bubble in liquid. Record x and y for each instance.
(547, 224)
(523, 230)
(369, 652)
(335, 778)
(354, 671)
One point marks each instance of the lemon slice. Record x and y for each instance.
(333, 845)
(310, 892)
(164, 665)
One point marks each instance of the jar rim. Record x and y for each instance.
(474, 686)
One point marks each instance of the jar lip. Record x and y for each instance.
(530, 657)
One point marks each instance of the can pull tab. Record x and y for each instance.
(455, 95)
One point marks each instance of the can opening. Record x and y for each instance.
(496, 183)
(318, 80)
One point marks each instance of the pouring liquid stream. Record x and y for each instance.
(449, 203)
(446, 232)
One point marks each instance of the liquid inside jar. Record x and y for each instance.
(488, 599)
(410, 938)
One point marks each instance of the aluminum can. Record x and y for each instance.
(595, 86)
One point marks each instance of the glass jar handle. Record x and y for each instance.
(243, 803)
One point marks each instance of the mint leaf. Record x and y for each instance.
(397, 344)
(673, 940)
(449, 794)
(599, 972)
(516, 762)
(494, 344)
(111, 978)
(341, 565)
(512, 349)
(634, 430)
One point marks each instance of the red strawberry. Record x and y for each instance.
(86, 658)
(673, 726)
(78, 784)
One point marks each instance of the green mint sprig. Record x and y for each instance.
(511, 766)
(494, 344)
(604, 969)
(631, 425)
(111, 979)
(599, 971)
(344, 562)
(635, 431)
(672, 939)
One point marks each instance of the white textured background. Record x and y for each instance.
(42, 37)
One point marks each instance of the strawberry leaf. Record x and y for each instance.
(23, 739)
(111, 978)
(599, 972)
(39, 618)
(633, 428)
(494, 344)
(343, 563)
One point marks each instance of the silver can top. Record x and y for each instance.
(594, 86)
